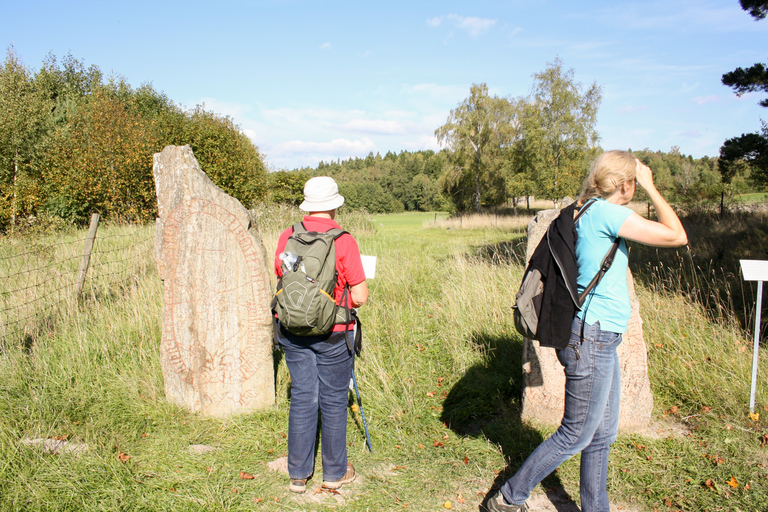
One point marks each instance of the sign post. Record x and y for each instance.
(755, 270)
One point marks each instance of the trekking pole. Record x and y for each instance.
(360, 404)
(357, 392)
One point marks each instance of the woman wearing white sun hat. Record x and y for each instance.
(320, 366)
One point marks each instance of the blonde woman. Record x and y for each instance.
(590, 362)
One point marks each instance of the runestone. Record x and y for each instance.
(216, 347)
(543, 377)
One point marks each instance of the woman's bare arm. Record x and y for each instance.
(668, 231)
(359, 294)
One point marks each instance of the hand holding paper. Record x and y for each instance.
(369, 265)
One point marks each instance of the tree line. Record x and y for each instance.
(500, 151)
(420, 181)
(408, 181)
(74, 142)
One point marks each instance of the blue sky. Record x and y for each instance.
(311, 81)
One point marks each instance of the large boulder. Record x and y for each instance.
(216, 348)
(544, 380)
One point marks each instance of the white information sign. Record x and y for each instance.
(755, 270)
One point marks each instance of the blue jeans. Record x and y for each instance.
(320, 368)
(590, 420)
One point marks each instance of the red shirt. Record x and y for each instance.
(349, 265)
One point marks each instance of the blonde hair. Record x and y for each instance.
(607, 173)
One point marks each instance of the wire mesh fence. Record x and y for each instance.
(38, 276)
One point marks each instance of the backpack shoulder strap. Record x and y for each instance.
(336, 232)
(604, 266)
(584, 209)
(299, 227)
(607, 259)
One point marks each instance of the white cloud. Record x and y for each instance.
(423, 142)
(629, 109)
(317, 118)
(475, 26)
(297, 153)
(435, 22)
(703, 100)
(336, 148)
(326, 46)
(377, 126)
(294, 137)
(471, 24)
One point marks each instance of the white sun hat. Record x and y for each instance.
(321, 194)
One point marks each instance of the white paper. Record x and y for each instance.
(369, 265)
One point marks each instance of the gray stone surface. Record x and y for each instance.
(55, 446)
(280, 465)
(544, 381)
(216, 349)
(199, 449)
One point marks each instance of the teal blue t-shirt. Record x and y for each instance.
(596, 231)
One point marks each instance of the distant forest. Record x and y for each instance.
(414, 181)
(75, 142)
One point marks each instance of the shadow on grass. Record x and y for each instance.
(510, 252)
(485, 402)
(708, 271)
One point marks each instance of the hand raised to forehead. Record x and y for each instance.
(644, 175)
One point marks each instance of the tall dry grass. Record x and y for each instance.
(440, 378)
(39, 274)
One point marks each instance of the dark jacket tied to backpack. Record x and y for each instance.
(559, 302)
(548, 297)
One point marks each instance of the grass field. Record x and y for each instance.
(439, 343)
(755, 197)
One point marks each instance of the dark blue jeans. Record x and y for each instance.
(320, 367)
(590, 419)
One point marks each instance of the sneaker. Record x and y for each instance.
(348, 477)
(497, 503)
(298, 485)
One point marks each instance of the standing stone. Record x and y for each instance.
(216, 349)
(543, 377)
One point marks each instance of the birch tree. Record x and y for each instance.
(559, 131)
(23, 115)
(477, 133)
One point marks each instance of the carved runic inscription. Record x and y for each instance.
(216, 300)
(217, 338)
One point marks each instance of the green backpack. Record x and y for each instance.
(304, 301)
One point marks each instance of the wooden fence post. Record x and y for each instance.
(87, 254)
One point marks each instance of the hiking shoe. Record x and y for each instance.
(497, 503)
(298, 485)
(348, 477)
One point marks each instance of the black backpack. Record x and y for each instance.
(548, 300)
